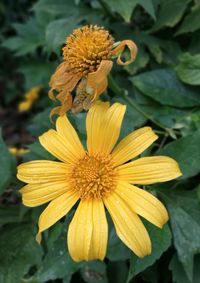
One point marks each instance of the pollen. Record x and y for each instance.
(86, 48)
(93, 177)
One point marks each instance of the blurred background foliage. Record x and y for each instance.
(161, 89)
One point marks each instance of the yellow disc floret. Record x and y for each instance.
(87, 47)
(94, 177)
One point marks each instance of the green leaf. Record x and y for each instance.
(57, 8)
(186, 152)
(191, 22)
(19, 251)
(9, 214)
(126, 7)
(178, 273)
(37, 72)
(57, 263)
(170, 13)
(94, 272)
(6, 162)
(53, 234)
(189, 69)
(37, 151)
(40, 123)
(164, 87)
(161, 240)
(171, 52)
(167, 116)
(163, 50)
(155, 50)
(70, 16)
(194, 47)
(184, 210)
(116, 249)
(79, 123)
(132, 118)
(141, 61)
(117, 271)
(58, 30)
(29, 37)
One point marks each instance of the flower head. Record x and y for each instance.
(86, 48)
(30, 97)
(102, 176)
(18, 151)
(87, 55)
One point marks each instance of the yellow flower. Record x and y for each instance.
(18, 151)
(30, 97)
(101, 176)
(88, 55)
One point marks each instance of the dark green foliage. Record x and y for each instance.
(7, 165)
(184, 210)
(161, 89)
(19, 251)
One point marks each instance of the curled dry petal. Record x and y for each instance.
(63, 81)
(91, 87)
(120, 48)
(66, 104)
(97, 81)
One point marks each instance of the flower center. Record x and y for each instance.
(86, 48)
(94, 177)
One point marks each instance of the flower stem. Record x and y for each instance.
(115, 88)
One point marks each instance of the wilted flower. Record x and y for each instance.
(30, 97)
(88, 55)
(97, 177)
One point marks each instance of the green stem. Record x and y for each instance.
(115, 88)
(160, 132)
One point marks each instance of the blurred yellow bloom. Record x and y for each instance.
(30, 97)
(99, 176)
(88, 55)
(18, 151)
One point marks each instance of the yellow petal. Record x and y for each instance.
(37, 194)
(57, 208)
(66, 130)
(103, 127)
(143, 203)
(42, 171)
(100, 231)
(24, 106)
(128, 225)
(94, 123)
(111, 126)
(97, 81)
(88, 231)
(59, 147)
(133, 145)
(119, 50)
(149, 170)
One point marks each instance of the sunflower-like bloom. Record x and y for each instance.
(30, 97)
(102, 176)
(88, 55)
